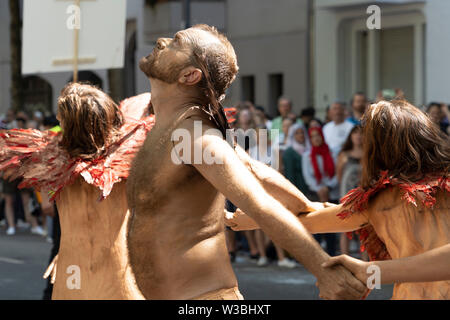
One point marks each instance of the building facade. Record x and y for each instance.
(41, 90)
(270, 39)
(409, 51)
(312, 51)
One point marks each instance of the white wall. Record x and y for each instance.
(270, 37)
(5, 68)
(331, 61)
(437, 58)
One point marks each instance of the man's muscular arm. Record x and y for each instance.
(232, 178)
(278, 186)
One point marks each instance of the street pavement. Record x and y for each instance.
(24, 258)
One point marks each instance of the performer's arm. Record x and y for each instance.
(278, 186)
(238, 184)
(239, 221)
(433, 265)
(321, 221)
(328, 221)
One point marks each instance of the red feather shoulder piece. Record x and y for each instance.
(37, 158)
(357, 200)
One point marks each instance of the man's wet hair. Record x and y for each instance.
(218, 63)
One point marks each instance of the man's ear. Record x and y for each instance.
(190, 76)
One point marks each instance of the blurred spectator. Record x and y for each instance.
(36, 121)
(297, 145)
(51, 123)
(285, 109)
(358, 105)
(315, 123)
(336, 131)
(293, 117)
(436, 115)
(307, 115)
(319, 169)
(283, 137)
(348, 163)
(320, 176)
(390, 94)
(263, 152)
(10, 189)
(21, 123)
(10, 119)
(327, 115)
(245, 121)
(261, 114)
(245, 105)
(349, 171)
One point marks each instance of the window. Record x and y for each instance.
(248, 88)
(275, 92)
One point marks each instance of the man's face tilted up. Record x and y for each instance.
(191, 58)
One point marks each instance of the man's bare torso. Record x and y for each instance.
(176, 236)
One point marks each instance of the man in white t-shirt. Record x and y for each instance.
(337, 131)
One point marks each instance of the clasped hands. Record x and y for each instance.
(341, 277)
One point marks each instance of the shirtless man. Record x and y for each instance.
(176, 236)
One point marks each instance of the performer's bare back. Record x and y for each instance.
(176, 235)
(93, 259)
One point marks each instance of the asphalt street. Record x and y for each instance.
(24, 258)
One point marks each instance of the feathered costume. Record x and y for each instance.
(405, 219)
(357, 200)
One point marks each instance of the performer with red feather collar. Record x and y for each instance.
(85, 169)
(402, 208)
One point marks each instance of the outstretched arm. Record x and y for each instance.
(321, 221)
(244, 190)
(278, 186)
(328, 221)
(433, 265)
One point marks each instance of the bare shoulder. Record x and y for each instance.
(197, 121)
(200, 128)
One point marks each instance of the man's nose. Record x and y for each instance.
(162, 43)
